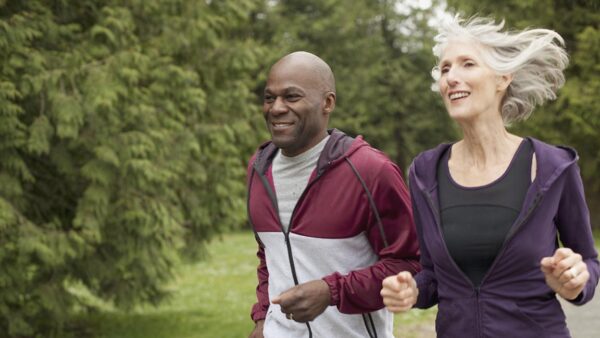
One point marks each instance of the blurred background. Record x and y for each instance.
(126, 127)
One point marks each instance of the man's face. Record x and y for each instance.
(293, 107)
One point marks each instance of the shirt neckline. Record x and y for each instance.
(487, 185)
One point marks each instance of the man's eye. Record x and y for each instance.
(293, 97)
(269, 98)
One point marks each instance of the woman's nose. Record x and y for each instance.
(452, 78)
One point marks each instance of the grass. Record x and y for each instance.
(212, 299)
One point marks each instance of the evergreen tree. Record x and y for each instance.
(123, 125)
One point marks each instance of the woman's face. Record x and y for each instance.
(470, 89)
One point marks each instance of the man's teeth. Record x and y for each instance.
(455, 96)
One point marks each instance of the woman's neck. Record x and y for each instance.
(485, 144)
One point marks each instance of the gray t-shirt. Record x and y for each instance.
(290, 176)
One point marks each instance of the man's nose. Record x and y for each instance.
(279, 106)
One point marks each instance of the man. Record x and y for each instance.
(332, 215)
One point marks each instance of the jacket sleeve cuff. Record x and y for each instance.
(258, 315)
(578, 300)
(259, 312)
(581, 299)
(334, 288)
(588, 291)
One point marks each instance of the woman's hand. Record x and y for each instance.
(399, 292)
(565, 273)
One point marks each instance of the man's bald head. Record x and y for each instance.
(310, 63)
(299, 96)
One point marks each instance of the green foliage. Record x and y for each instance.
(120, 149)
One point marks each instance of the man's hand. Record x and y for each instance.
(399, 292)
(565, 273)
(304, 302)
(258, 330)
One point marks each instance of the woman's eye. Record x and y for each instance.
(444, 70)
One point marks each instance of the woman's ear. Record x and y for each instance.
(503, 81)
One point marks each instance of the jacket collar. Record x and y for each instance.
(337, 147)
(551, 163)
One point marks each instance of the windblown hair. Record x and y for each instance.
(536, 59)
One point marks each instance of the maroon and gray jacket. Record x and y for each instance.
(336, 235)
(513, 299)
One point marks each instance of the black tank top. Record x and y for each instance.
(476, 220)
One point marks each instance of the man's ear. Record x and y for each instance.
(329, 103)
(503, 81)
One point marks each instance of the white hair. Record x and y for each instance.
(536, 59)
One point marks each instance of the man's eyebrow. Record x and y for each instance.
(285, 90)
(293, 88)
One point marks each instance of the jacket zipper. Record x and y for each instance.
(286, 233)
(436, 215)
(536, 201)
(478, 312)
(287, 236)
(513, 231)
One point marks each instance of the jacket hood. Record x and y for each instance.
(551, 163)
(338, 146)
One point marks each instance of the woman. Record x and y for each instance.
(491, 207)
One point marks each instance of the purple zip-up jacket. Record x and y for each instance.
(513, 299)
